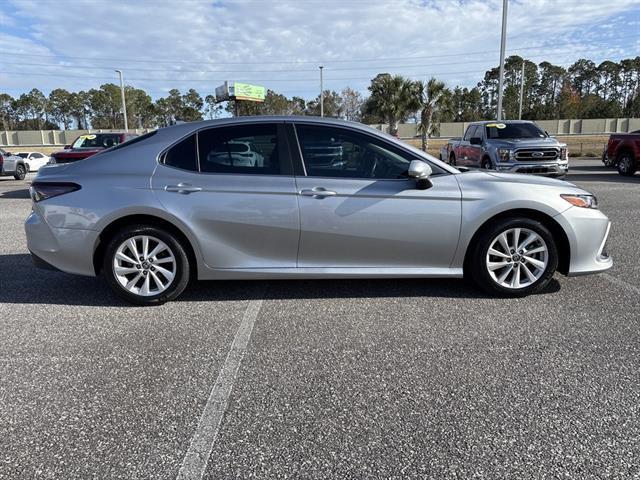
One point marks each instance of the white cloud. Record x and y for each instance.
(198, 43)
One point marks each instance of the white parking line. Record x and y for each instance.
(195, 460)
(621, 283)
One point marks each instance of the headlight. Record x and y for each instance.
(581, 200)
(564, 153)
(505, 154)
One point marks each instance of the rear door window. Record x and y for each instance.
(242, 149)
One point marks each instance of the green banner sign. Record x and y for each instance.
(244, 91)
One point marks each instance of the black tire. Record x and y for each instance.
(607, 161)
(182, 267)
(452, 160)
(27, 167)
(486, 164)
(20, 172)
(476, 268)
(627, 165)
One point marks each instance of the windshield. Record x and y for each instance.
(23, 155)
(97, 140)
(513, 130)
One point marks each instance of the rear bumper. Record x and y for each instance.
(66, 249)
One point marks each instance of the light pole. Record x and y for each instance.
(124, 105)
(503, 41)
(521, 91)
(321, 93)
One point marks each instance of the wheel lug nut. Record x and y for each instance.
(142, 259)
(144, 273)
(153, 269)
(137, 266)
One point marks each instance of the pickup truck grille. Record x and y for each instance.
(536, 154)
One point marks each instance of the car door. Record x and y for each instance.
(463, 149)
(241, 205)
(358, 208)
(474, 152)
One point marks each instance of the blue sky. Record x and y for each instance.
(163, 44)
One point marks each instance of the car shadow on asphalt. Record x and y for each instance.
(598, 173)
(14, 194)
(23, 283)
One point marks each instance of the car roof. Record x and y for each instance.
(506, 122)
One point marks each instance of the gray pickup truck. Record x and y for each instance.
(514, 146)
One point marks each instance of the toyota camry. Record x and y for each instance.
(301, 197)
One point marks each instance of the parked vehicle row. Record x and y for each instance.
(513, 146)
(89, 144)
(303, 197)
(21, 163)
(623, 152)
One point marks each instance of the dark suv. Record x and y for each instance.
(89, 144)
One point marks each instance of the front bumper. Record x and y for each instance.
(550, 169)
(67, 249)
(587, 231)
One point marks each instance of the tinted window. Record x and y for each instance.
(335, 152)
(245, 149)
(182, 155)
(513, 130)
(23, 155)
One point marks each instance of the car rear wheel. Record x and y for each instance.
(146, 265)
(514, 257)
(486, 164)
(20, 172)
(452, 160)
(627, 165)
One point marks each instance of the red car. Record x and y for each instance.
(89, 144)
(623, 150)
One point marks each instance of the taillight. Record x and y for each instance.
(42, 190)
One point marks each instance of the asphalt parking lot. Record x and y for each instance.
(335, 379)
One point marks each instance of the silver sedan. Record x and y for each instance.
(328, 199)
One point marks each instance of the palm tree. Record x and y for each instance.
(433, 97)
(392, 98)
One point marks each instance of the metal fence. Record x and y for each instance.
(591, 126)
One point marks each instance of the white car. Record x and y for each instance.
(33, 160)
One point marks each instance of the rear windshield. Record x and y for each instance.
(97, 140)
(134, 140)
(513, 130)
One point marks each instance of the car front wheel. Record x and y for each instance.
(146, 265)
(514, 257)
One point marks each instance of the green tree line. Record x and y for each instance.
(583, 90)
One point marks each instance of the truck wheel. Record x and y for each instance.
(20, 172)
(486, 164)
(627, 165)
(452, 160)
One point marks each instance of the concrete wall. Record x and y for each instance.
(591, 126)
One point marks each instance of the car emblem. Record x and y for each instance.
(537, 154)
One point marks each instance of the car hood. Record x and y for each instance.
(526, 142)
(481, 176)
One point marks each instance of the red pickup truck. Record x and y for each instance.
(86, 145)
(623, 150)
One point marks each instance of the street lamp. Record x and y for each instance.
(503, 41)
(321, 93)
(124, 105)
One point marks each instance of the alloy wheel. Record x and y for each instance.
(144, 265)
(517, 258)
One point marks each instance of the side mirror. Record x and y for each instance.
(475, 141)
(421, 171)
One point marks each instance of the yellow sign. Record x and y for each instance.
(244, 91)
(496, 125)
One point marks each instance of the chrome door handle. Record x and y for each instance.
(184, 188)
(318, 192)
